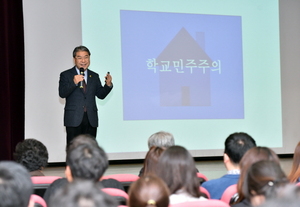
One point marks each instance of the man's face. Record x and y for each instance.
(82, 59)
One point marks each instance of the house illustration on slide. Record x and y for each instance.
(183, 80)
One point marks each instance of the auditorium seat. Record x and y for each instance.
(41, 183)
(125, 179)
(203, 190)
(120, 195)
(202, 177)
(38, 199)
(229, 193)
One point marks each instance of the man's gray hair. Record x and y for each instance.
(161, 139)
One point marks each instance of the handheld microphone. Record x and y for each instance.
(81, 73)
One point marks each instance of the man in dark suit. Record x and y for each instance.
(80, 86)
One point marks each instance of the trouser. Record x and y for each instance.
(84, 128)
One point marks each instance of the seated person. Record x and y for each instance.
(149, 190)
(294, 175)
(81, 193)
(159, 139)
(32, 154)
(15, 185)
(252, 156)
(151, 160)
(176, 167)
(236, 145)
(86, 160)
(264, 180)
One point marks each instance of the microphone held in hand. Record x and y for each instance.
(81, 73)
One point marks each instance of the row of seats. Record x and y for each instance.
(41, 183)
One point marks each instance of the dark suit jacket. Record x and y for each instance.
(76, 99)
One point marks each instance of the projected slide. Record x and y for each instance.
(188, 66)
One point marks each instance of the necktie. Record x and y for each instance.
(84, 85)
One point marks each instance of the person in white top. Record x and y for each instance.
(177, 168)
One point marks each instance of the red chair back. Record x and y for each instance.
(41, 183)
(200, 175)
(115, 192)
(38, 199)
(203, 190)
(229, 193)
(44, 179)
(122, 177)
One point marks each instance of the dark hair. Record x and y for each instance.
(237, 144)
(253, 155)
(264, 178)
(81, 193)
(15, 186)
(32, 154)
(295, 171)
(87, 161)
(80, 48)
(151, 160)
(177, 168)
(149, 190)
(81, 139)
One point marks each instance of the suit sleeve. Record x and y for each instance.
(102, 91)
(66, 84)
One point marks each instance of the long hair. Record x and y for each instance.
(177, 168)
(264, 178)
(151, 160)
(295, 171)
(253, 155)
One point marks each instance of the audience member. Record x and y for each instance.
(149, 190)
(294, 175)
(263, 180)
(86, 161)
(81, 193)
(161, 139)
(151, 160)
(15, 185)
(32, 154)
(177, 168)
(236, 145)
(252, 156)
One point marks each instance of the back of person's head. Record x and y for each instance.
(151, 160)
(264, 178)
(295, 171)
(161, 139)
(148, 191)
(86, 161)
(237, 144)
(15, 185)
(81, 139)
(177, 168)
(253, 155)
(32, 154)
(81, 193)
